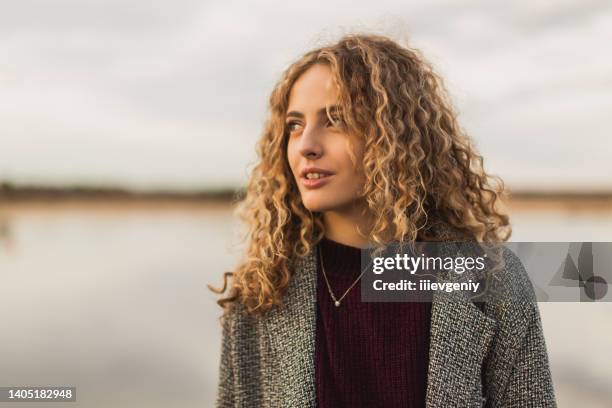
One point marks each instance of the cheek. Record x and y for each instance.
(291, 156)
(354, 151)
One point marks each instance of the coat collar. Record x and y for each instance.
(460, 336)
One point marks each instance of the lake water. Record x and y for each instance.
(112, 299)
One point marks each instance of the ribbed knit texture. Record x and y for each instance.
(366, 354)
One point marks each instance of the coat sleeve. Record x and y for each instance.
(225, 390)
(530, 383)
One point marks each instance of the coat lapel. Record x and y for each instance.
(460, 337)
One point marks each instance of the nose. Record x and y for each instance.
(310, 144)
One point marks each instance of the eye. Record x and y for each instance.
(290, 126)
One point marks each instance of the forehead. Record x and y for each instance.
(313, 89)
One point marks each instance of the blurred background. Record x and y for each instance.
(127, 126)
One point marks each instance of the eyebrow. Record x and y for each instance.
(320, 112)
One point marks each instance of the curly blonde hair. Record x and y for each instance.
(421, 168)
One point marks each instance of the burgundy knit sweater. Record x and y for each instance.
(366, 354)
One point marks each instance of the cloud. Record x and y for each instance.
(174, 94)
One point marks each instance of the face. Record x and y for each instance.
(320, 148)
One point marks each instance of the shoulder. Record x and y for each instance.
(236, 317)
(502, 274)
(511, 298)
(509, 281)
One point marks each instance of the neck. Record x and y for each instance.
(341, 226)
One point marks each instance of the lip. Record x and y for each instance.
(315, 183)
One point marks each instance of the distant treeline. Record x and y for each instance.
(9, 191)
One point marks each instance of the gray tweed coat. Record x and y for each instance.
(494, 356)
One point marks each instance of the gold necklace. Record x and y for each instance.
(331, 293)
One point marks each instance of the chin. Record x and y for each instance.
(315, 204)
(314, 208)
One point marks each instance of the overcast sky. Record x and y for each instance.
(172, 94)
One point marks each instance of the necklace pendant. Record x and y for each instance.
(337, 303)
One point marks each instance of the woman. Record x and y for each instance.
(362, 148)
